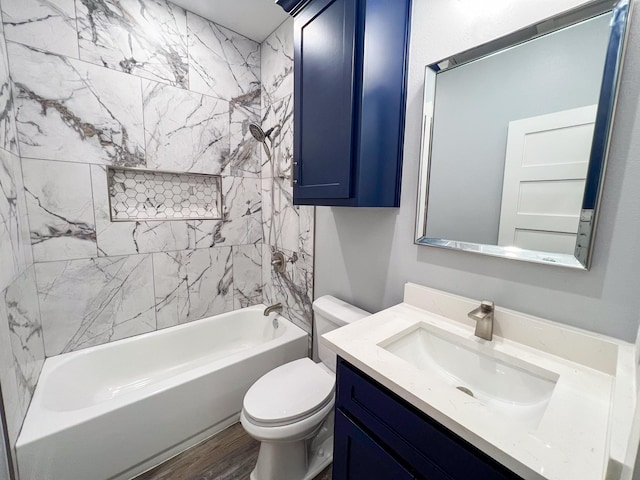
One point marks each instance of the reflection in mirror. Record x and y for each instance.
(515, 137)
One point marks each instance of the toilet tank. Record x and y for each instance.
(331, 313)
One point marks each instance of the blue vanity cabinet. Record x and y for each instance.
(362, 457)
(350, 60)
(372, 421)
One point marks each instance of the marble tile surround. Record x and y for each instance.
(60, 208)
(241, 216)
(44, 24)
(92, 111)
(286, 227)
(277, 63)
(92, 301)
(185, 131)
(8, 133)
(25, 330)
(190, 285)
(82, 98)
(15, 250)
(222, 63)
(81, 113)
(147, 38)
(99, 107)
(130, 238)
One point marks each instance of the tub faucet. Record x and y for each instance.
(483, 315)
(273, 308)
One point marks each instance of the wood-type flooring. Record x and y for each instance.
(229, 455)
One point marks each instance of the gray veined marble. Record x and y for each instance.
(279, 116)
(300, 297)
(8, 133)
(25, 331)
(128, 238)
(74, 111)
(60, 209)
(281, 219)
(185, 131)
(13, 408)
(147, 38)
(244, 158)
(46, 24)
(95, 301)
(9, 219)
(293, 288)
(14, 235)
(241, 222)
(247, 275)
(222, 63)
(277, 63)
(192, 285)
(307, 216)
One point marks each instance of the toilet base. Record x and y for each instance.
(301, 460)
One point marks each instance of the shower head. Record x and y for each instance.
(258, 133)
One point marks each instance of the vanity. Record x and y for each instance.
(420, 396)
(382, 436)
(515, 139)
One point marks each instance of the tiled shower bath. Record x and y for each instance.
(86, 85)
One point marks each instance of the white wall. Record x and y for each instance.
(476, 102)
(366, 255)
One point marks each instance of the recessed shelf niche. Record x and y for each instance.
(150, 195)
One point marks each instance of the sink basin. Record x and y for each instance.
(505, 384)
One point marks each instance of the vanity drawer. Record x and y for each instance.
(426, 445)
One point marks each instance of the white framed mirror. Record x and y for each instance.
(516, 136)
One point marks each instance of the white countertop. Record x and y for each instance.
(589, 412)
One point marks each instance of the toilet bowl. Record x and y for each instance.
(290, 409)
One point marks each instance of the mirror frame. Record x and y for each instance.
(601, 137)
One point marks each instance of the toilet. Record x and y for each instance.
(290, 409)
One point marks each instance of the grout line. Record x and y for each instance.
(144, 123)
(187, 37)
(93, 206)
(145, 253)
(153, 284)
(75, 10)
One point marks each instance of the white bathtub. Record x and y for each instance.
(113, 411)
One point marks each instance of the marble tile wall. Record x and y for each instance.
(21, 340)
(136, 83)
(139, 83)
(285, 227)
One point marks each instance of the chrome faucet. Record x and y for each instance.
(483, 315)
(273, 308)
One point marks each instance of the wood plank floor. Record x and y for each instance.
(230, 455)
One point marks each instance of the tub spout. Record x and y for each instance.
(273, 308)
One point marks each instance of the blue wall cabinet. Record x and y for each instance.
(350, 62)
(372, 421)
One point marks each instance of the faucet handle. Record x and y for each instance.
(487, 306)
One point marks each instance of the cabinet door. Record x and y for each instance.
(324, 51)
(357, 456)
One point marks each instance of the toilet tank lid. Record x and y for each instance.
(337, 311)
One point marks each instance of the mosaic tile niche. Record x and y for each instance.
(145, 195)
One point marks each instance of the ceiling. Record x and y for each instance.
(255, 19)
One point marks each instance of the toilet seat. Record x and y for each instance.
(289, 394)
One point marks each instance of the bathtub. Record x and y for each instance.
(113, 411)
